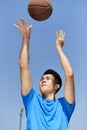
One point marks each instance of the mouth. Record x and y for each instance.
(43, 85)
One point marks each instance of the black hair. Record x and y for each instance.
(57, 78)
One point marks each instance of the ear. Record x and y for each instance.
(57, 86)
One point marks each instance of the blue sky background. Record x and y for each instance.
(69, 15)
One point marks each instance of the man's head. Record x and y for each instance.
(50, 82)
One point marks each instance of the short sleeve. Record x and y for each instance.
(28, 98)
(67, 108)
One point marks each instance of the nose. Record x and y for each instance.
(44, 80)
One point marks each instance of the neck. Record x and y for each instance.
(50, 96)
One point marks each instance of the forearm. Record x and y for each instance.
(65, 62)
(24, 54)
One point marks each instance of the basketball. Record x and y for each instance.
(40, 9)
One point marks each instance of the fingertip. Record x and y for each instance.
(31, 26)
(16, 19)
(21, 18)
(14, 25)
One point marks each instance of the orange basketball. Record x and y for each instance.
(40, 9)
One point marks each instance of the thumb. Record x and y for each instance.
(30, 26)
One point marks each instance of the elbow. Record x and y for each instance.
(23, 60)
(23, 64)
(70, 74)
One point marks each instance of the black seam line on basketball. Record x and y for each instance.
(40, 6)
(43, 12)
(47, 2)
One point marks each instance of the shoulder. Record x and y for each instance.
(66, 107)
(32, 93)
(63, 101)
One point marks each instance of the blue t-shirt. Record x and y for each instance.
(44, 114)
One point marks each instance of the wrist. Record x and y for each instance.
(26, 38)
(59, 47)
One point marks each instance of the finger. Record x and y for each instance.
(16, 26)
(30, 26)
(60, 32)
(19, 23)
(23, 22)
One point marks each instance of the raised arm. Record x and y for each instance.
(69, 88)
(25, 77)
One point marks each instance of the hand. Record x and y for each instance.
(60, 38)
(23, 27)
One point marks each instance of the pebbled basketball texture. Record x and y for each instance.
(40, 9)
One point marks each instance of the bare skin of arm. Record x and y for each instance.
(69, 87)
(25, 76)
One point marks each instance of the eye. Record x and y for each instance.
(42, 78)
(48, 78)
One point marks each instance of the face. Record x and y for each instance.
(47, 84)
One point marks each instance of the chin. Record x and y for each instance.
(43, 91)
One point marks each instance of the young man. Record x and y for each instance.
(44, 112)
